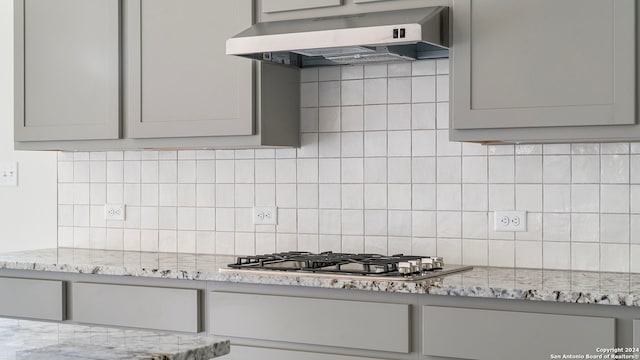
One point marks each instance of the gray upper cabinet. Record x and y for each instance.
(178, 87)
(543, 70)
(270, 6)
(67, 66)
(178, 70)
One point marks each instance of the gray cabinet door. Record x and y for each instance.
(180, 82)
(67, 69)
(546, 63)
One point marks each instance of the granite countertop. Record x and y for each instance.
(486, 282)
(26, 340)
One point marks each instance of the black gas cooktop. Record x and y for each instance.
(399, 266)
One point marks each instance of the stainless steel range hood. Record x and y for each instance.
(351, 39)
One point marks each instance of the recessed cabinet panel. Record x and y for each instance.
(636, 333)
(136, 306)
(521, 63)
(35, 299)
(271, 6)
(336, 323)
(67, 66)
(489, 335)
(181, 81)
(246, 352)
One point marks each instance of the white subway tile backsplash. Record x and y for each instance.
(585, 198)
(556, 227)
(375, 91)
(328, 73)
(528, 169)
(529, 254)
(399, 170)
(529, 197)
(329, 93)
(352, 72)
(399, 90)
(556, 198)
(501, 253)
(352, 118)
(423, 116)
(614, 257)
(614, 169)
(556, 169)
(585, 227)
(556, 255)
(375, 172)
(585, 169)
(614, 198)
(614, 228)
(475, 197)
(375, 117)
(352, 144)
(423, 89)
(501, 169)
(585, 256)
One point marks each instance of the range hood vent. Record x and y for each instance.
(381, 37)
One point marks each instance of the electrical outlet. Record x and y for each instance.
(265, 215)
(8, 174)
(114, 212)
(515, 221)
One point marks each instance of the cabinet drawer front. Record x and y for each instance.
(136, 306)
(37, 299)
(248, 352)
(490, 335)
(337, 323)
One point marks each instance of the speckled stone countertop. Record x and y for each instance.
(486, 282)
(26, 340)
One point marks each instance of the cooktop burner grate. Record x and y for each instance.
(330, 262)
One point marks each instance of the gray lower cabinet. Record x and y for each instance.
(147, 307)
(543, 71)
(311, 321)
(636, 333)
(490, 335)
(31, 298)
(164, 59)
(67, 69)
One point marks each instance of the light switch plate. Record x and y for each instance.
(8, 173)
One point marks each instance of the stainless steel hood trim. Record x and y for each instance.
(396, 35)
(323, 39)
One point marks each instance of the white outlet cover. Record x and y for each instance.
(8, 174)
(114, 212)
(265, 216)
(510, 221)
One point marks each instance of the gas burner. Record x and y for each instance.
(399, 266)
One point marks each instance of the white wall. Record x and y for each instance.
(28, 213)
